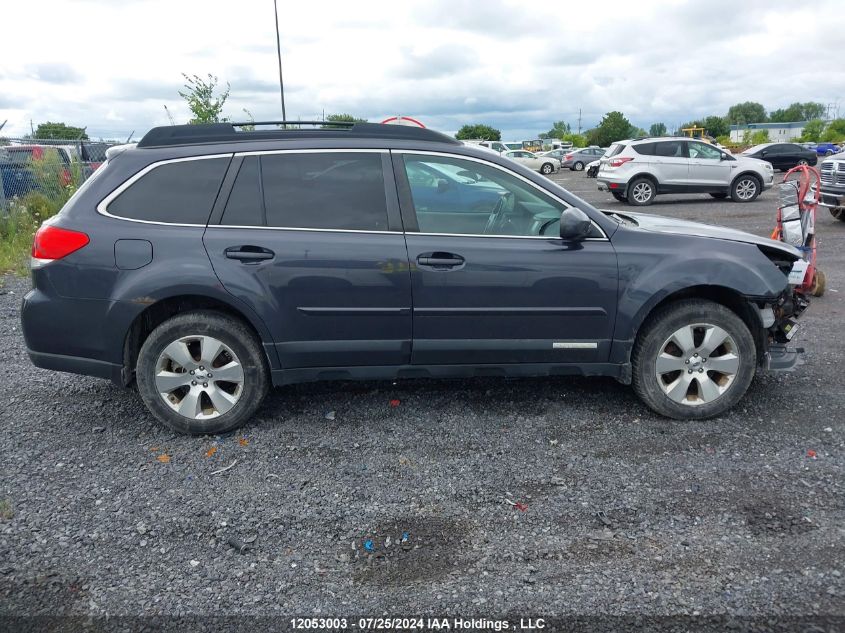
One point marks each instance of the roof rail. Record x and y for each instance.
(170, 135)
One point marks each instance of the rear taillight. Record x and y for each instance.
(569, 157)
(618, 162)
(65, 177)
(53, 242)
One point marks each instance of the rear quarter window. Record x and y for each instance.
(176, 193)
(615, 149)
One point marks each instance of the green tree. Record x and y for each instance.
(559, 130)
(798, 112)
(341, 118)
(812, 131)
(478, 131)
(613, 127)
(657, 129)
(204, 105)
(716, 125)
(759, 136)
(60, 131)
(577, 140)
(747, 112)
(835, 132)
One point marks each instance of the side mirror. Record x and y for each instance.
(723, 156)
(764, 152)
(442, 185)
(574, 224)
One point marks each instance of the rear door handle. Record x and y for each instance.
(249, 254)
(440, 260)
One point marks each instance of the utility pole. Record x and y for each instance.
(279, 54)
(579, 121)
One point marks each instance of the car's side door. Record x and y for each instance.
(510, 291)
(671, 165)
(708, 169)
(312, 241)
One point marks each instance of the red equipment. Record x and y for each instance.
(796, 224)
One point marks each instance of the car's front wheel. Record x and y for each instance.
(202, 372)
(693, 359)
(547, 168)
(838, 213)
(745, 189)
(641, 192)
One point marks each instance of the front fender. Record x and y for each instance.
(654, 266)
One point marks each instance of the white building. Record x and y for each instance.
(778, 132)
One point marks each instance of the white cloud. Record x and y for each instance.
(519, 66)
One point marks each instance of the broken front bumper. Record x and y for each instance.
(781, 328)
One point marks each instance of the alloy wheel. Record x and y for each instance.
(697, 364)
(199, 377)
(746, 189)
(641, 192)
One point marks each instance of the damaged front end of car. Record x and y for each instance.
(780, 317)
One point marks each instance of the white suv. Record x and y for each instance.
(635, 171)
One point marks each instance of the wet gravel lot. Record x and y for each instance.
(485, 497)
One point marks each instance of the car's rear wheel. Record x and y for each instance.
(745, 189)
(619, 196)
(720, 195)
(828, 152)
(641, 192)
(838, 213)
(803, 161)
(578, 166)
(202, 372)
(547, 168)
(693, 359)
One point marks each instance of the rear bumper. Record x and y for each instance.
(607, 184)
(78, 365)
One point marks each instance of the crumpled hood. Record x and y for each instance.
(663, 224)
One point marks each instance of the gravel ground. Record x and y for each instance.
(498, 497)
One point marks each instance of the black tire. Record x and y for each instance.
(721, 195)
(232, 333)
(659, 327)
(547, 168)
(741, 188)
(828, 152)
(838, 213)
(578, 166)
(803, 161)
(641, 192)
(619, 196)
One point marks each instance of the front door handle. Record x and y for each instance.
(440, 260)
(249, 254)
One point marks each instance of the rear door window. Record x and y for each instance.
(182, 192)
(324, 190)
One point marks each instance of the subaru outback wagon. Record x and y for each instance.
(206, 264)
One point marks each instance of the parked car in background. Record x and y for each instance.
(833, 186)
(782, 156)
(827, 149)
(293, 259)
(636, 171)
(495, 146)
(557, 154)
(545, 165)
(577, 159)
(23, 174)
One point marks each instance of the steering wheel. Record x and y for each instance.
(499, 212)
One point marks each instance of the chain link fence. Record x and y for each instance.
(37, 177)
(47, 167)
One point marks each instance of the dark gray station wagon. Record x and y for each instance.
(207, 264)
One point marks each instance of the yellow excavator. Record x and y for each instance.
(698, 133)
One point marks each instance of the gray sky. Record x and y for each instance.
(113, 64)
